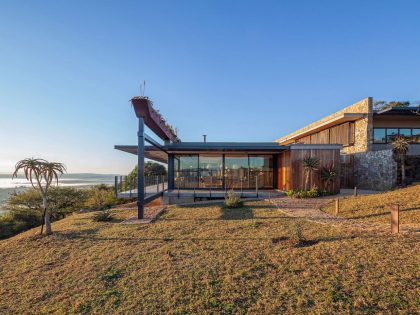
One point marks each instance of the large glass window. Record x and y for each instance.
(236, 171)
(211, 171)
(379, 135)
(186, 171)
(416, 135)
(391, 134)
(405, 132)
(261, 171)
(239, 171)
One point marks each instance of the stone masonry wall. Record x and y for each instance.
(376, 170)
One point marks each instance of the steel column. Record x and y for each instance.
(140, 170)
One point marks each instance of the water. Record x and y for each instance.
(8, 186)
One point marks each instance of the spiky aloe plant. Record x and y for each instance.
(42, 174)
(310, 164)
(328, 174)
(400, 148)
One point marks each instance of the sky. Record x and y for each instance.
(234, 70)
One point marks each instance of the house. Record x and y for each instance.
(212, 166)
(366, 135)
(355, 141)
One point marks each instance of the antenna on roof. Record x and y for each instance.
(205, 138)
(143, 88)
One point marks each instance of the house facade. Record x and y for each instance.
(366, 134)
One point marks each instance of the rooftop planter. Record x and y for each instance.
(143, 107)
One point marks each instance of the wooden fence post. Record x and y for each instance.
(355, 191)
(395, 219)
(337, 206)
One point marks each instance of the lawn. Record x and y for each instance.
(208, 260)
(376, 208)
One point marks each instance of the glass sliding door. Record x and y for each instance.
(186, 171)
(261, 171)
(211, 171)
(236, 171)
(218, 171)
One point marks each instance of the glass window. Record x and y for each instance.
(211, 171)
(379, 135)
(391, 134)
(186, 171)
(261, 166)
(416, 135)
(236, 171)
(405, 132)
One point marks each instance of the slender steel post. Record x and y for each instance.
(140, 170)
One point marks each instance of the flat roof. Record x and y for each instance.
(156, 154)
(398, 111)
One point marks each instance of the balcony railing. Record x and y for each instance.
(126, 186)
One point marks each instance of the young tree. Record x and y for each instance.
(42, 174)
(400, 148)
(310, 164)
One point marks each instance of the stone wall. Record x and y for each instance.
(376, 170)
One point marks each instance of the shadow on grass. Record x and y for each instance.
(381, 214)
(242, 213)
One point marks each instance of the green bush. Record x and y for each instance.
(313, 192)
(290, 193)
(103, 216)
(232, 200)
(100, 197)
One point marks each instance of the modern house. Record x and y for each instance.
(224, 165)
(366, 135)
(355, 140)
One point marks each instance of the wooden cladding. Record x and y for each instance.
(340, 134)
(291, 174)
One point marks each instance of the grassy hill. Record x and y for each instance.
(376, 208)
(207, 259)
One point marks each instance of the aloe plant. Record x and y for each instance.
(310, 164)
(400, 148)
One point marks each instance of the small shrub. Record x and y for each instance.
(313, 192)
(232, 200)
(103, 216)
(290, 193)
(297, 233)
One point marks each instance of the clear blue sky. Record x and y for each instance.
(235, 70)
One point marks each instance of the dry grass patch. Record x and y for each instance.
(207, 260)
(376, 208)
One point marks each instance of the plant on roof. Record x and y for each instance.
(310, 165)
(400, 149)
(42, 175)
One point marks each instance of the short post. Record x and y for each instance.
(194, 194)
(395, 219)
(337, 206)
(211, 182)
(256, 184)
(355, 191)
(157, 183)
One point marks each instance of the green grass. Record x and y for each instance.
(207, 260)
(376, 208)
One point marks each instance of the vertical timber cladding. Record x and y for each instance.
(292, 175)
